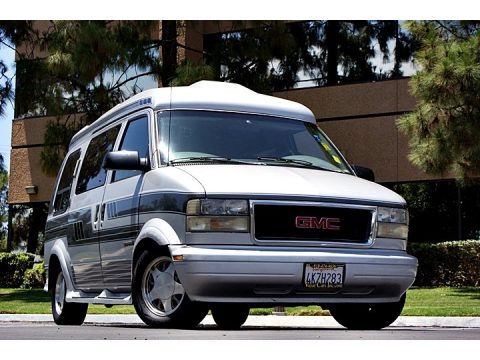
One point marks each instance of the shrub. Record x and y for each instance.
(34, 278)
(452, 263)
(13, 267)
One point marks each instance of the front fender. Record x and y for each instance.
(159, 231)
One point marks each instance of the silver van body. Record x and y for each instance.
(212, 196)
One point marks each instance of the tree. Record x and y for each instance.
(275, 55)
(444, 127)
(91, 66)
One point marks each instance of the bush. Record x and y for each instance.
(452, 263)
(34, 278)
(13, 267)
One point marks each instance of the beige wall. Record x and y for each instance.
(25, 166)
(360, 119)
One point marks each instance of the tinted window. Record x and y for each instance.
(135, 139)
(62, 197)
(92, 174)
(255, 138)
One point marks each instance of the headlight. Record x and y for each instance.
(392, 223)
(219, 215)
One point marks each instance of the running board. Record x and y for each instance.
(106, 297)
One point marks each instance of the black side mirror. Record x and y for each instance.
(125, 160)
(364, 172)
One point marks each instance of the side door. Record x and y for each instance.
(84, 215)
(119, 221)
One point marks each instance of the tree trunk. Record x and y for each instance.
(37, 224)
(169, 51)
(331, 33)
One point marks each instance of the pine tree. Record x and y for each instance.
(444, 128)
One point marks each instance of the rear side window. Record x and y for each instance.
(92, 174)
(62, 197)
(135, 139)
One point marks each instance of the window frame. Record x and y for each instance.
(74, 175)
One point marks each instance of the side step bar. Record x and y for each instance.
(106, 297)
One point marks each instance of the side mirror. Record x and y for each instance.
(125, 160)
(364, 172)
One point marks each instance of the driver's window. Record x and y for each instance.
(135, 138)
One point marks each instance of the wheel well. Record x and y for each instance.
(150, 245)
(53, 268)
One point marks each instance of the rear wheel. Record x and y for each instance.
(367, 316)
(159, 297)
(230, 317)
(66, 313)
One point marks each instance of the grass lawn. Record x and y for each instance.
(420, 302)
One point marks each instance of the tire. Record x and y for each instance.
(230, 317)
(367, 316)
(159, 297)
(66, 313)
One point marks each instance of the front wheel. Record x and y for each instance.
(230, 317)
(65, 313)
(159, 297)
(367, 316)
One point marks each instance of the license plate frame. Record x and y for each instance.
(323, 276)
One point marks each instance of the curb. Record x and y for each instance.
(261, 321)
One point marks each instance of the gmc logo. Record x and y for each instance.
(312, 222)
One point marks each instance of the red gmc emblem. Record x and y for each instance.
(312, 222)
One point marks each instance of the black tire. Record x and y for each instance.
(230, 317)
(367, 316)
(66, 313)
(159, 297)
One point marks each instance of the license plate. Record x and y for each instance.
(323, 276)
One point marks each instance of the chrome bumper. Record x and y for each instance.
(266, 275)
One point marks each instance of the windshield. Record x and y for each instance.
(224, 137)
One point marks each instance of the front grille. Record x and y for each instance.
(312, 223)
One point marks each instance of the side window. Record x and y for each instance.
(92, 174)
(62, 197)
(134, 139)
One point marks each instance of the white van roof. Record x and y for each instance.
(203, 95)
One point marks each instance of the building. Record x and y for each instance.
(359, 118)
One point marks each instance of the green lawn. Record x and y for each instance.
(420, 302)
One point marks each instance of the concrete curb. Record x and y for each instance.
(262, 321)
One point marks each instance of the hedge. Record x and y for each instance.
(452, 263)
(13, 267)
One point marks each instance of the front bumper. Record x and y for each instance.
(266, 275)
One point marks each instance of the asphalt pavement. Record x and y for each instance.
(281, 321)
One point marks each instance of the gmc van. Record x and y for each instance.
(215, 198)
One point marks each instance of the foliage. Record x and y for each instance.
(13, 267)
(452, 263)
(444, 128)
(188, 73)
(35, 277)
(276, 55)
(441, 210)
(11, 33)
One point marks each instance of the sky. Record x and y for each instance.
(8, 57)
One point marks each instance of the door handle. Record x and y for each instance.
(95, 219)
(102, 215)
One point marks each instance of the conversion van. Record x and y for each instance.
(212, 197)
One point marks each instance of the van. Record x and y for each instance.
(212, 197)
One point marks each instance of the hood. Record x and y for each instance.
(284, 181)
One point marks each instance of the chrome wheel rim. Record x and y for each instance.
(161, 289)
(59, 294)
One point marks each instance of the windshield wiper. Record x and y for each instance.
(303, 163)
(207, 159)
